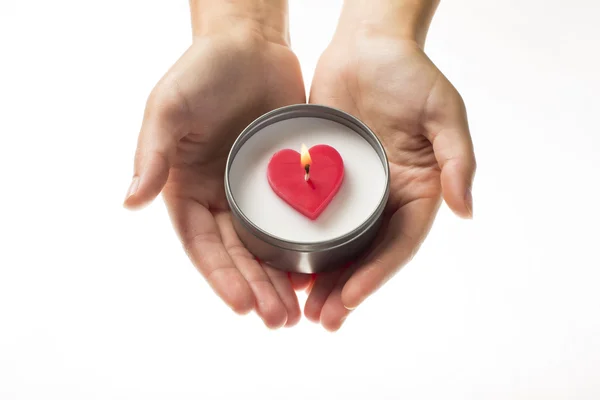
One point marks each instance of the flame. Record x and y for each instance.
(305, 156)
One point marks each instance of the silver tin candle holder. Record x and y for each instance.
(316, 256)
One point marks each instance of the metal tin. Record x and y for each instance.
(316, 256)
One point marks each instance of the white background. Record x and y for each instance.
(99, 303)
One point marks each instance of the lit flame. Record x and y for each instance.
(305, 160)
(305, 156)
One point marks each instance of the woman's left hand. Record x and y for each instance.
(391, 85)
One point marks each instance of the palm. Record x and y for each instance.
(395, 89)
(217, 88)
(216, 100)
(388, 90)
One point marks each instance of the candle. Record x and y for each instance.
(290, 177)
(353, 211)
(305, 161)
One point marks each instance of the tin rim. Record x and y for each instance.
(314, 111)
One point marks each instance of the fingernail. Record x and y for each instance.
(469, 202)
(135, 182)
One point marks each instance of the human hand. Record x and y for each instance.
(232, 73)
(387, 81)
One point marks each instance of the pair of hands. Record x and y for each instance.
(225, 81)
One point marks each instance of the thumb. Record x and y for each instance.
(163, 126)
(448, 131)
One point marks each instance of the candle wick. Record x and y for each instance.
(307, 173)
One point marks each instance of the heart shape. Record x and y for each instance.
(286, 177)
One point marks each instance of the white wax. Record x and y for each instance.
(360, 194)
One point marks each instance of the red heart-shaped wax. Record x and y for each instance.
(286, 177)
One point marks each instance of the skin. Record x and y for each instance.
(239, 67)
(235, 70)
(381, 75)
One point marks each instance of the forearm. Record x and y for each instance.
(267, 18)
(406, 19)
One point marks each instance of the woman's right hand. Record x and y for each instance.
(224, 81)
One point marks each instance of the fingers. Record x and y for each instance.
(200, 236)
(308, 289)
(334, 313)
(455, 156)
(448, 131)
(405, 232)
(325, 305)
(320, 290)
(163, 126)
(300, 281)
(270, 305)
(283, 286)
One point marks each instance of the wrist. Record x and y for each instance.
(264, 19)
(406, 20)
